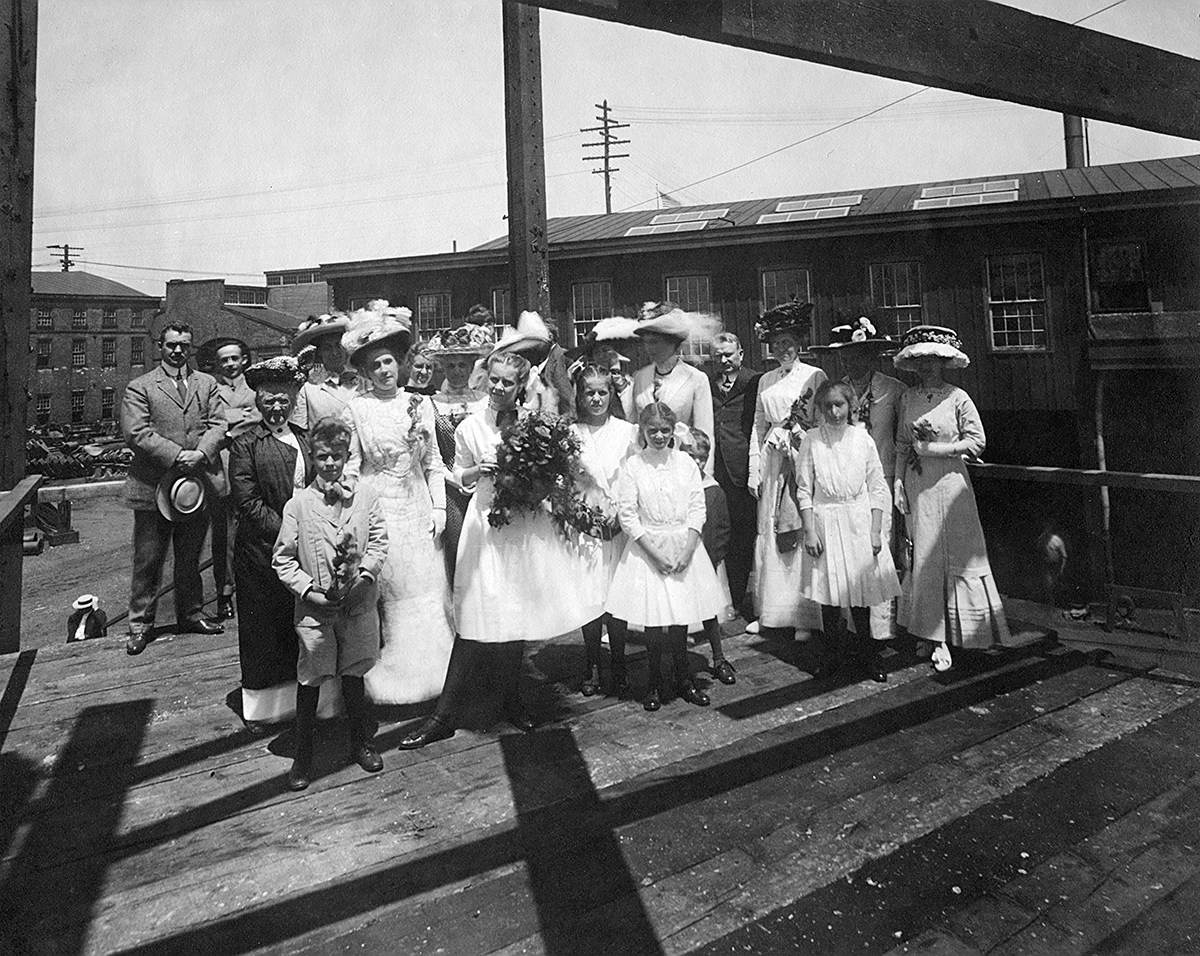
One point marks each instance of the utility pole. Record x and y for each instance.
(65, 251)
(607, 140)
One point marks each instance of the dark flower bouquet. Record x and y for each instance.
(537, 467)
(346, 561)
(800, 414)
(922, 431)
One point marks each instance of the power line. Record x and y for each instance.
(186, 272)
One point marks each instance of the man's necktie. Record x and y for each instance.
(181, 387)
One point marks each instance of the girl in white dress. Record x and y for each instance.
(605, 442)
(512, 583)
(777, 574)
(664, 580)
(393, 451)
(842, 495)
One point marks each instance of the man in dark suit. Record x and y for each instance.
(734, 392)
(171, 417)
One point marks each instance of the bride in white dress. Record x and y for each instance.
(394, 453)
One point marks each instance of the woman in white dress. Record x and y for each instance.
(394, 452)
(668, 379)
(783, 410)
(842, 496)
(605, 442)
(664, 580)
(513, 583)
(949, 596)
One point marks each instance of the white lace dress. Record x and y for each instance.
(394, 453)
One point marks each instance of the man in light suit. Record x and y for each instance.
(171, 417)
(734, 392)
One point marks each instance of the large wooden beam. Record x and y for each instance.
(528, 247)
(972, 46)
(18, 69)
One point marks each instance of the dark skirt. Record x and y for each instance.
(267, 643)
(456, 510)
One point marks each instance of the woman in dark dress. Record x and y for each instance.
(266, 464)
(456, 352)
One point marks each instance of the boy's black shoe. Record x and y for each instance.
(225, 611)
(723, 671)
(653, 701)
(367, 757)
(432, 730)
(694, 695)
(300, 775)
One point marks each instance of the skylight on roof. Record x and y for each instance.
(801, 215)
(971, 189)
(689, 226)
(691, 216)
(825, 202)
(975, 199)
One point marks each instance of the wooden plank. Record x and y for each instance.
(12, 551)
(528, 242)
(972, 46)
(1092, 478)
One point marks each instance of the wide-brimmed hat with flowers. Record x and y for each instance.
(378, 325)
(529, 337)
(465, 340)
(316, 326)
(861, 333)
(281, 370)
(922, 341)
(790, 317)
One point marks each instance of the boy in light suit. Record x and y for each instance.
(331, 546)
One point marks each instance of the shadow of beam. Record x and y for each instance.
(58, 921)
(14, 689)
(580, 817)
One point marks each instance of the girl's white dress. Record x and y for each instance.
(660, 495)
(778, 576)
(603, 450)
(394, 453)
(519, 582)
(950, 594)
(839, 476)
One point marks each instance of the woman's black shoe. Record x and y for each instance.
(367, 757)
(694, 695)
(875, 671)
(653, 701)
(520, 719)
(299, 776)
(591, 682)
(432, 730)
(723, 671)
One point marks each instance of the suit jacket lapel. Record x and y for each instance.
(167, 384)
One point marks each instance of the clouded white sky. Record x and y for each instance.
(224, 137)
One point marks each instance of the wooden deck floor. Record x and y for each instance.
(1047, 801)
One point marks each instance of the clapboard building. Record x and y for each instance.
(88, 336)
(1062, 283)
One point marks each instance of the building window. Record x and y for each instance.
(42, 409)
(690, 293)
(137, 320)
(108, 353)
(274, 280)
(780, 286)
(1016, 289)
(137, 352)
(1118, 278)
(361, 301)
(896, 288)
(108, 402)
(590, 302)
(79, 319)
(43, 353)
(433, 312)
(108, 319)
(77, 396)
(78, 353)
(502, 307)
(45, 319)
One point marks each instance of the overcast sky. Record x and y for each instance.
(225, 137)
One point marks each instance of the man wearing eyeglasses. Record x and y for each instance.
(172, 417)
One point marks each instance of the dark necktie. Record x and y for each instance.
(181, 387)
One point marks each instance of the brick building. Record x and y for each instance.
(89, 337)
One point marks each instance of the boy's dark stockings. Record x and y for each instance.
(362, 749)
(676, 640)
(863, 651)
(300, 775)
(617, 630)
(720, 667)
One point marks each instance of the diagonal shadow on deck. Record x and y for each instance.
(30, 921)
(578, 819)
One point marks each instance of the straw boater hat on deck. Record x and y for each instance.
(477, 340)
(378, 325)
(790, 317)
(316, 326)
(280, 370)
(859, 334)
(530, 338)
(926, 340)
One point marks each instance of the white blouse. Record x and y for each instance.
(837, 466)
(778, 389)
(660, 490)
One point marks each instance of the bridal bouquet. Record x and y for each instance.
(537, 468)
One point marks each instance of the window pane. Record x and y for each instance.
(78, 353)
(1017, 302)
(896, 288)
(690, 293)
(501, 306)
(780, 286)
(433, 312)
(590, 302)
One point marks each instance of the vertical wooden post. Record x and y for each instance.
(528, 245)
(18, 69)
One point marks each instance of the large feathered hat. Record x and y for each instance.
(861, 333)
(281, 370)
(465, 340)
(315, 326)
(378, 325)
(664, 318)
(790, 317)
(530, 337)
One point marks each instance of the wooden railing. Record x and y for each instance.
(12, 553)
(1089, 477)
